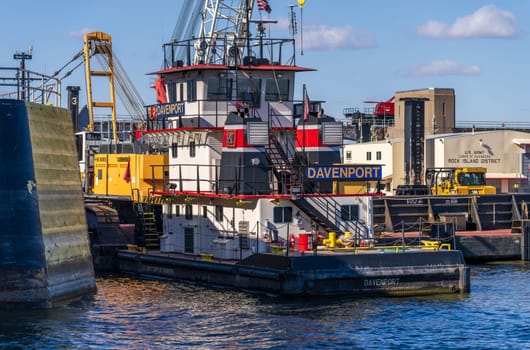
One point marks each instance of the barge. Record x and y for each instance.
(370, 273)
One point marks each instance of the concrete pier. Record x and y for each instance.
(44, 249)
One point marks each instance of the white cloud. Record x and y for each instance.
(487, 22)
(81, 32)
(283, 24)
(444, 67)
(346, 37)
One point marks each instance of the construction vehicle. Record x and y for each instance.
(458, 181)
(115, 165)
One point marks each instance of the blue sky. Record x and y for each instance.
(362, 50)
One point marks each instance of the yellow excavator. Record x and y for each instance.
(458, 181)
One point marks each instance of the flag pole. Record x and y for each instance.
(301, 5)
(304, 96)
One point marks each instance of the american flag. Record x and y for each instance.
(306, 106)
(263, 5)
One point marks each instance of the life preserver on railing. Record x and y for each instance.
(152, 113)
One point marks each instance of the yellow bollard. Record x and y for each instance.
(332, 240)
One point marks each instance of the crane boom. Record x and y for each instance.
(99, 43)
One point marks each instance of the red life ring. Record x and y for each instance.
(152, 113)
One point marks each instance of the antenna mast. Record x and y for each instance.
(223, 28)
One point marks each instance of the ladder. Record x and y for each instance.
(146, 230)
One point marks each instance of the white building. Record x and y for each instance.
(505, 154)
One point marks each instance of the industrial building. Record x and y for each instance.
(422, 137)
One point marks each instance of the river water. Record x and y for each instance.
(129, 313)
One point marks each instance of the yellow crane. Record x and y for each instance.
(99, 43)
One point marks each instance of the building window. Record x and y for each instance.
(348, 155)
(378, 155)
(218, 213)
(192, 149)
(349, 212)
(368, 155)
(277, 90)
(174, 150)
(189, 212)
(191, 90)
(283, 214)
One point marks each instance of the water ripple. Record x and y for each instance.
(129, 313)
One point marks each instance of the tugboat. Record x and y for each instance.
(253, 191)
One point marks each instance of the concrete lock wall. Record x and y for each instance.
(61, 208)
(45, 249)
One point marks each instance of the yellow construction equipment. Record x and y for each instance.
(128, 175)
(458, 181)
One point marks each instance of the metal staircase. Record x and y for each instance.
(286, 174)
(146, 230)
(324, 212)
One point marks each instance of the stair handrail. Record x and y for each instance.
(330, 205)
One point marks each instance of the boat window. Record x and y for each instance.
(174, 150)
(172, 91)
(188, 240)
(181, 92)
(249, 92)
(192, 149)
(277, 90)
(188, 212)
(349, 212)
(368, 155)
(191, 90)
(219, 89)
(283, 214)
(218, 213)
(378, 155)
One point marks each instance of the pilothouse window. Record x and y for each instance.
(249, 92)
(191, 90)
(277, 90)
(219, 89)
